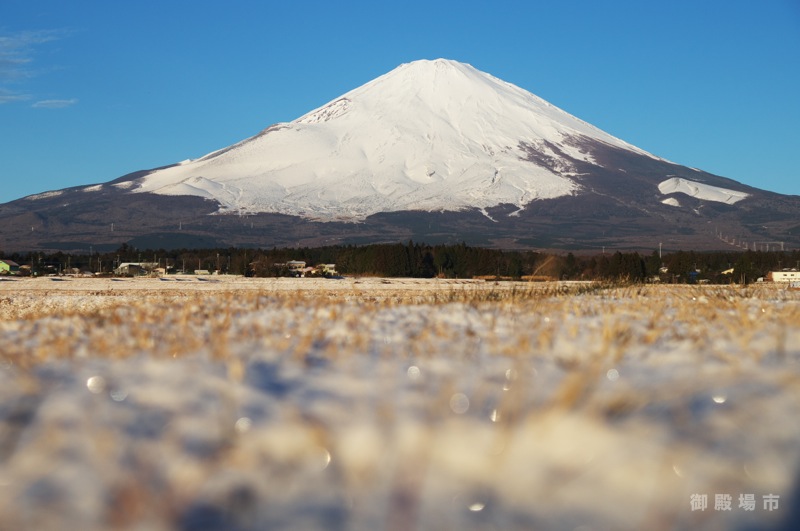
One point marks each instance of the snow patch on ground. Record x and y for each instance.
(578, 153)
(671, 201)
(45, 195)
(702, 191)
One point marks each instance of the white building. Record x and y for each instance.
(785, 275)
(135, 268)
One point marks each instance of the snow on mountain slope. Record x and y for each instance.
(706, 192)
(429, 135)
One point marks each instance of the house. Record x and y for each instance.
(321, 270)
(9, 267)
(296, 268)
(135, 268)
(785, 275)
(326, 270)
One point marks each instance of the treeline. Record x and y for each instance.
(421, 260)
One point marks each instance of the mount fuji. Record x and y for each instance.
(434, 151)
(430, 135)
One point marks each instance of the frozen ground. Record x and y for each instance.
(395, 404)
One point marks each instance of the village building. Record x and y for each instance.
(9, 267)
(785, 275)
(135, 268)
(297, 268)
(326, 270)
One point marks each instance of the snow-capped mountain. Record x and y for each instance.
(429, 135)
(434, 151)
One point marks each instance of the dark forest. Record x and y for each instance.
(427, 261)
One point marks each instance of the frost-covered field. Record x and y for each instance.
(399, 404)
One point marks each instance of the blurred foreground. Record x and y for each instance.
(402, 404)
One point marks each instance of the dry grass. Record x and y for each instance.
(393, 403)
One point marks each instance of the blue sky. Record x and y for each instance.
(93, 89)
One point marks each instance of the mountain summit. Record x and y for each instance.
(437, 151)
(429, 135)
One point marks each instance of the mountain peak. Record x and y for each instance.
(429, 135)
(436, 83)
(440, 63)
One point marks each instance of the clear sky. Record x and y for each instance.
(93, 89)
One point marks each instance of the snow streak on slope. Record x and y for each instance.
(429, 135)
(706, 192)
